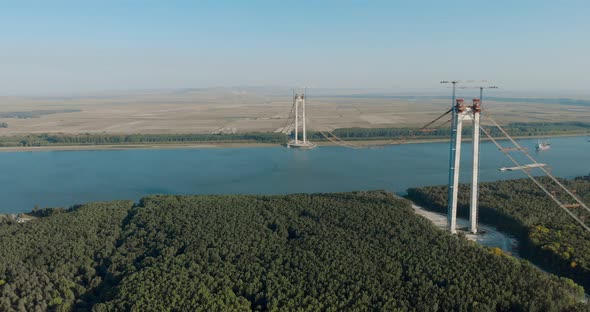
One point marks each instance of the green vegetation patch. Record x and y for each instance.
(349, 134)
(58, 260)
(110, 139)
(548, 236)
(514, 129)
(333, 252)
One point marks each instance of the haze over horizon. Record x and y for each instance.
(72, 47)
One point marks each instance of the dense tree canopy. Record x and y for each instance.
(549, 237)
(332, 252)
(55, 262)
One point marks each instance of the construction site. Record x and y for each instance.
(456, 115)
(300, 116)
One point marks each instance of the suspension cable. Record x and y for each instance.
(425, 127)
(435, 120)
(336, 140)
(290, 117)
(398, 141)
(543, 188)
(579, 201)
(345, 142)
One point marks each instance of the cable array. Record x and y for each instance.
(432, 126)
(518, 147)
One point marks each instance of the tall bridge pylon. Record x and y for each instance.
(300, 119)
(461, 112)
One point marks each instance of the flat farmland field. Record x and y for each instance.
(227, 110)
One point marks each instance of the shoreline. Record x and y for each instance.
(488, 236)
(195, 145)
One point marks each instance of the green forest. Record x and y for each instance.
(351, 134)
(548, 236)
(361, 251)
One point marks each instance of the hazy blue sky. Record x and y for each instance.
(73, 46)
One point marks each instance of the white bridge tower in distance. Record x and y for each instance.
(300, 141)
(462, 112)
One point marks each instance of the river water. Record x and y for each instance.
(64, 178)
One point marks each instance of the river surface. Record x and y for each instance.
(64, 178)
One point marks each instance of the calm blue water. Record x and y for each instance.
(64, 178)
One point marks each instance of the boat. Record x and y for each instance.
(543, 145)
(525, 167)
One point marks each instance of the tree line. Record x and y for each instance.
(107, 139)
(515, 129)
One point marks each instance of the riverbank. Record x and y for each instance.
(190, 145)
(131, 146)
(489, 236)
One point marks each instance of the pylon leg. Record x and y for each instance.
(296, 120)
(454, 171)
(475, 175)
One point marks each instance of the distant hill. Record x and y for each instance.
(331, 252)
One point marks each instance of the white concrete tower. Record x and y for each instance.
(304, 119)
(460, 113)
(300, 108)
(475, 110)
(296, 99)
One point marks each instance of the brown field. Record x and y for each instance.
(210, 110)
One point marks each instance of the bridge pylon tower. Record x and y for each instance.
(300, 119)
(460, 113)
